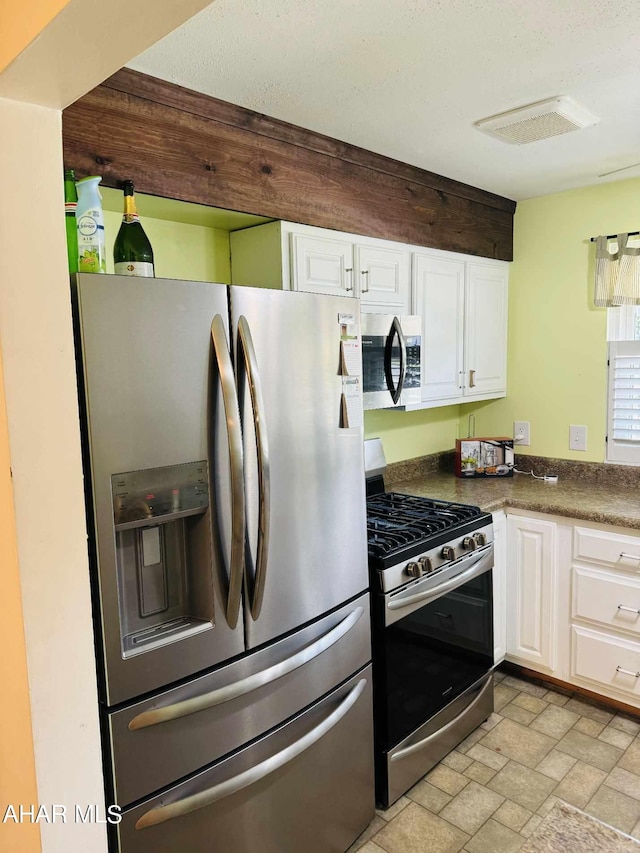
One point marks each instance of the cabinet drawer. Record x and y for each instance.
(600, 546)
(610, 599)
(611, 664)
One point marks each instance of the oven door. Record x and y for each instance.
(436, 641)
(391, 348)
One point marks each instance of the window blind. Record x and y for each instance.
(623, 443)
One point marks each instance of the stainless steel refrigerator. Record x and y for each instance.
(226, 504)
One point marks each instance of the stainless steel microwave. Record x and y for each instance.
(391, 360)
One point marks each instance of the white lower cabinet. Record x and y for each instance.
(499, 586)
(531, 592)
(606, 664)
(573, 602)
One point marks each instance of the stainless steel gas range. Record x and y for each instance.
(431, 582)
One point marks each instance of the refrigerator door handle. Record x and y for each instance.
(251, 682)
(247, 350)
(253, 774)
(234, 433)
(395, 331)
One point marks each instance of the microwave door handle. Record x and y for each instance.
(395, 331)
(246, 351)
(234, 436)
(201, 799)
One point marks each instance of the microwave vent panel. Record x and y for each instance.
(541, 120)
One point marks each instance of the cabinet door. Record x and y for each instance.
(439, 299)
(322, 265)
(486, 330)
(531, 592)
(382, 279)
(499, 586)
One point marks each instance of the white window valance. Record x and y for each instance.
(617, 273)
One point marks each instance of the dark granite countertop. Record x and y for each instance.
(607, 497)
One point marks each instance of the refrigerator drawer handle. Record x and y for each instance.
(479, 566)
(245, 343)
(395, 331)
(421, 744)
(232, 416)
(251, 682)
(254, 774)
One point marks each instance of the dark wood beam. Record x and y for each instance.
(181, 144)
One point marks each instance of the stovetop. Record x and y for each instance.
(399, 525)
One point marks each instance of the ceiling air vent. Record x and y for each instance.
(541, 120)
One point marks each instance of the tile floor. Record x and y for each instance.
(490, 794)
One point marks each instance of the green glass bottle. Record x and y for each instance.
(70, 204)
(132, 252)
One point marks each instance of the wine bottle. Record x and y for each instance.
(132, 252)
(70, 205)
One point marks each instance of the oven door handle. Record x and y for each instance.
(425, 741)
(395, 332)
(481, 563)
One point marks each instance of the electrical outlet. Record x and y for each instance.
(521, 433)
(577, 437)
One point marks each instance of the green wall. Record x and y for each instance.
(179, 250)
(406, 435)
(557, 361)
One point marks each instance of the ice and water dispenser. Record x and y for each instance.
(163, 554)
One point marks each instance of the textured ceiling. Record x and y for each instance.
(409, 79)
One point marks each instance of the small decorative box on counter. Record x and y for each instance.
(484, 457)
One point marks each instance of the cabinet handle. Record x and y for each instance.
(629, 609)
(365, 289)
(629, 556)
(627, 672)
(472, 375)
(349, 270)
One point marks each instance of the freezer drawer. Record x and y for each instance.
(308, 786)
(159, 740)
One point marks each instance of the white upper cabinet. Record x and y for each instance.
(382, 277)
(463, 305)
(485, 339)
(322, 265)
(438, 286)
(317, 260)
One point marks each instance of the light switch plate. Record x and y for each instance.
(577, 437)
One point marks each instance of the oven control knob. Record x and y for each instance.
(413, 570)
(469, 543)
(425, 564)
(448, 553)
(481, 538)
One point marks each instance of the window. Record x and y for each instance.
(623, 422)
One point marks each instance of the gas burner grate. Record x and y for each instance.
(395, 520)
